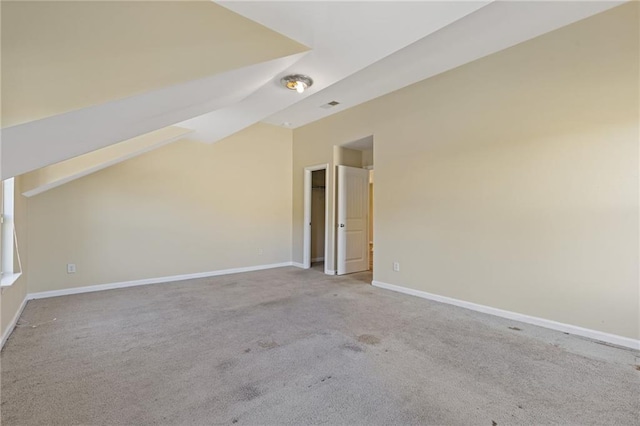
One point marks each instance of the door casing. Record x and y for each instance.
(306, 255)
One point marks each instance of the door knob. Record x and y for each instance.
(342, 225)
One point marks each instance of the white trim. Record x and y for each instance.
(93, 169)
(326, 271)
(9, 279)
(12, 324)
(318, 259)
(541, 322)
(124, 284)
(306, 220)
(306, 243)
(301, 266)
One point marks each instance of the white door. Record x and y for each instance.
(353, 220)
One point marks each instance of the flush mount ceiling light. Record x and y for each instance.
(297, 82)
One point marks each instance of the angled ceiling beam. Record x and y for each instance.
(40, 143)
(52, 176)
(490, 29)
(345, 37)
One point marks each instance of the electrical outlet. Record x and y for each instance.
(260, 252)
(71, 268)
(396, 266)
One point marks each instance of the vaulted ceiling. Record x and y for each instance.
(62, 56)
(81, 76)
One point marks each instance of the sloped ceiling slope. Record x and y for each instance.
(40, 143)
(61, 56)
(93, 74)
(80, 76)
(492, 28)
(344, 37)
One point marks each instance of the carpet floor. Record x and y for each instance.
(292, 346)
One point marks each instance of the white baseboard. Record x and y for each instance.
(301, 266)
(566, 328)
(12, 324)
(318, 259)
(124, 284)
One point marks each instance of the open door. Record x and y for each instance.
(353, 220)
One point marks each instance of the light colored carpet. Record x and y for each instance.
(289, 346)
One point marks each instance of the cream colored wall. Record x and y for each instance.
(347, 157)
(12, 297)
(512, 181)
(185, 208)
(367, 158)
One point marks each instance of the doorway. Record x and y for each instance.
(354, 206)
(316, 217)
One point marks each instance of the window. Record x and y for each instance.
(9, 255)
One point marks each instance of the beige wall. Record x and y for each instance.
(367, 158)
(347, 157)
(12, 297)
(184, 208)
(512, 181)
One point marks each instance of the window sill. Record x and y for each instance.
(9, 279)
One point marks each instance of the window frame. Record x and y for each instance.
(8, 242)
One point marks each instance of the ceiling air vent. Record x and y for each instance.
(330, 105)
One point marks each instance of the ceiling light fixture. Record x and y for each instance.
(297, 82)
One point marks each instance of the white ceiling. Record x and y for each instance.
(492, 28)
(358, 51)
(344, 38)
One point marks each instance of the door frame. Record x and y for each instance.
(306, 254)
